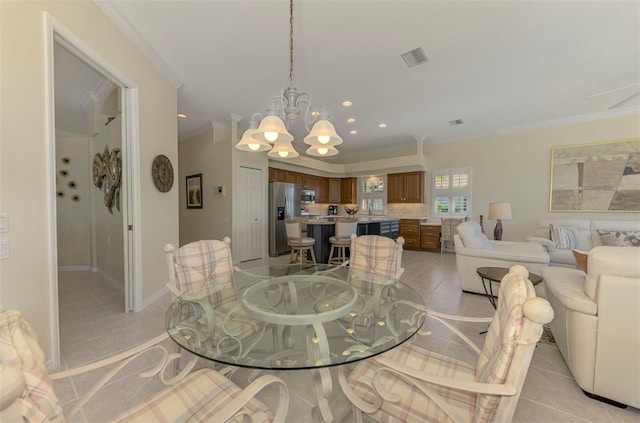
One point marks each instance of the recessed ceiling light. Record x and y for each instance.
(353, 132)
(346, 103)
(351, 120)
(182, 116)
(382, 125)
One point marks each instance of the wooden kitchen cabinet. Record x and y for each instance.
(405, 187)
(334, 190)
(322, 189)
(430, 238)
(291, 177)
(349, 191)
(300, 179)
(277, 175)
(410, 231)
(310, 181)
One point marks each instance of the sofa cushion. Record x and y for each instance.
(565, 237)
(472, 237)
(619, 238)
(562, 257)
(567, 285)
(611, 225)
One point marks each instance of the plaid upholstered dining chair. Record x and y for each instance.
(375, 265)
(199, 263)
(27, 394)
(411, 384)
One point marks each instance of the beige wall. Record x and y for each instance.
(209, 154)
(73, 217)
(26, 181)
(516, 168)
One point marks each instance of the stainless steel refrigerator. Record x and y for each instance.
(284, 204)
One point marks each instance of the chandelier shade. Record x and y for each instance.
(283, 150)
(322, 150)
(248, 143)
(272, 129)
(323, 132)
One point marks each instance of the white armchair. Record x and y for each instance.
(26, 390)
(474, 249)
(597, 323)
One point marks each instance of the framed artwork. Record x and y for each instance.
(603, 177)
(194, 191)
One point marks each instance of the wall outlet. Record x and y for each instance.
(219, 191)
(4, 222)
(4, 249)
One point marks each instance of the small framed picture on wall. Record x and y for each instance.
(194, 191)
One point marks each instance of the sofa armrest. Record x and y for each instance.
(549, 245)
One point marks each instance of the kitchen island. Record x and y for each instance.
(323, 229)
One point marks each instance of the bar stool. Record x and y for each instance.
(299, 244)
(341, 241)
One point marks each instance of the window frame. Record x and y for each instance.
(451, 192)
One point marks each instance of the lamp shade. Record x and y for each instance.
(500, 211)
(283, 150)
(324, 133)
(248, 143)
(272, 129)
(322, 150)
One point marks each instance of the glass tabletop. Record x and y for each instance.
(295, 317)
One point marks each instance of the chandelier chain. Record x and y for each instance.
(291, 42)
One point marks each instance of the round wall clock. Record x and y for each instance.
(162, 173)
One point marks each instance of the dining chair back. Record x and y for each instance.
(375, 254)
(197, 262)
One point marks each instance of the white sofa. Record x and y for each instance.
(474, 249)
(597, 321)
(587, 232)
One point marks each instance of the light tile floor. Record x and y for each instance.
(93, 326)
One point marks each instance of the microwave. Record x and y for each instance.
(307, 196)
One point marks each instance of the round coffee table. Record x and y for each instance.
(495, 274)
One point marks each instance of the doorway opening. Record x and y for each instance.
(93, 139)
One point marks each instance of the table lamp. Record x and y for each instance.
(499, 212)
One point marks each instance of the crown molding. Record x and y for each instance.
(569, 120)
(111, 10)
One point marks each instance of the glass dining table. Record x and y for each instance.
(288, 317)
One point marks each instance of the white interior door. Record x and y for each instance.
(250, 205)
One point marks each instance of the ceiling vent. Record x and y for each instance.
(456, 122)
(414, 57)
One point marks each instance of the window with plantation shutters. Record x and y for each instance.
(451, 192)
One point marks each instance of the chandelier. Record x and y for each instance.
(281, 112)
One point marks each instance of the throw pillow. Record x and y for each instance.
(619, 238)
(581, 259)
(565, 238)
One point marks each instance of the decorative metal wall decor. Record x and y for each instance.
(602, 177)
(107, 171)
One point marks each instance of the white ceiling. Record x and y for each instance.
(499, 66)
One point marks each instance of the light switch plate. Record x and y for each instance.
(4, 222)
(4, 249)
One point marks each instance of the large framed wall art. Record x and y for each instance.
(603, 177)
